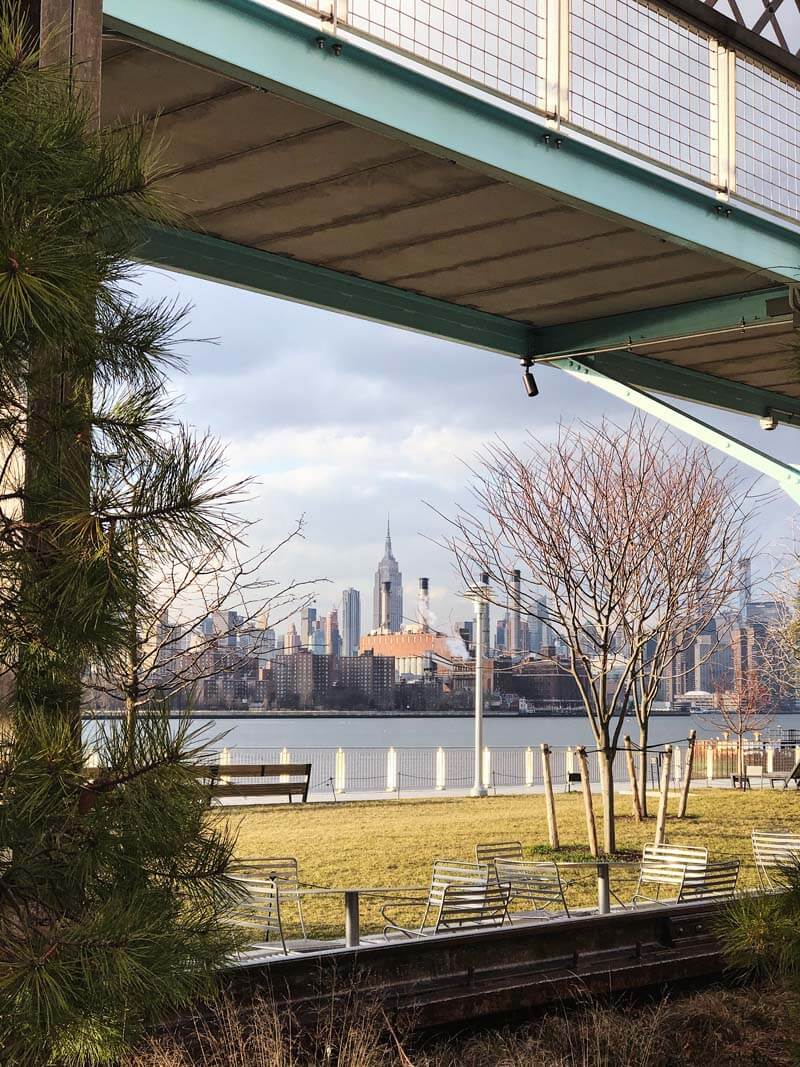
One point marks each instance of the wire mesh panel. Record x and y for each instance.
(644, 81)
(500, 44)
(767, 138)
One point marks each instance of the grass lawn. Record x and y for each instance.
(394, 843)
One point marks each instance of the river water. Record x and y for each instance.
(429, 732)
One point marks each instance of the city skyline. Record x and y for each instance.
(378, 421)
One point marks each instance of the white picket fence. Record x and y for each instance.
(398, 770)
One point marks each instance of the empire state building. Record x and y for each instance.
(388, 571)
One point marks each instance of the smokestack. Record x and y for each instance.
(386, 589)
(515, 634)
(423, 605)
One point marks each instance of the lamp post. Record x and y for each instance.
(480, 595)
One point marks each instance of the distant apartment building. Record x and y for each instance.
(351, 621)
(369, 674)
(300, 678)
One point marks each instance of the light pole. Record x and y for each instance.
(480, 595)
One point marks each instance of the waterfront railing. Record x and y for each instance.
(398, 770)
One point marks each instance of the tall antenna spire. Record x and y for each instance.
(388, 538)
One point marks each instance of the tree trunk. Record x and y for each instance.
(643, 738)
(606, 761)
(58, 444)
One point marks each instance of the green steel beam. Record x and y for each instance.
(662, 377)
(786, 475)
(716, 315)
(369, 86)
(249, 268)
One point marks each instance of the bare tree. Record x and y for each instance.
(742, 710)
(633, 535)
(200, 617)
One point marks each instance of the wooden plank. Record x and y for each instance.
(259, 789)
(255, 770)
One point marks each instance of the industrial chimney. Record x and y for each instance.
(386, 591)
(424, 605)
(515, 634)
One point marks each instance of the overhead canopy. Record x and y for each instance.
(373, 184)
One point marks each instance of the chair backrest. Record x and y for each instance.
(538, 883)
(455, 872)
(668, 864)
(772, 850)
(489, 851)
(259, 910)
(716, 882)
(470, 906)
(282, 869)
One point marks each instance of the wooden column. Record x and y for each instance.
(550, 800)
(636, 802)
(591, 828)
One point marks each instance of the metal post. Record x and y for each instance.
(603, 889)
(441, 768)
(529, 766)
(352, 922)
(391, 771)
(340, 774)
(479, 597)
(284, 758)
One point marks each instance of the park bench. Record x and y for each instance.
(774, 851)
(666, 868)
(461, 896)
(291, 779)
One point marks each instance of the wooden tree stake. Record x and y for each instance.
(637, 804)
(591, 829)
(687, 775)
(661, 822)
(550, 800)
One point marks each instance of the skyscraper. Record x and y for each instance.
(351, 621)
(307, 619)
(388, 571)
(333, 641)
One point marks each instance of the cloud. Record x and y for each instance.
(347, 421)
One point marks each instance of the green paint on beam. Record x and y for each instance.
(660, 377)
(264, 272)
(654, 324)
(267, 48)
(785, 474)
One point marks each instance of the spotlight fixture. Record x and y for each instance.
(768, 420)
(528, 380)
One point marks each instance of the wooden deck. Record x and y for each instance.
(460, 977)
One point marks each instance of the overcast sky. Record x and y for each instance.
(346, 421)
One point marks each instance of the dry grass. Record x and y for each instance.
(723, 1028)
(393, 843)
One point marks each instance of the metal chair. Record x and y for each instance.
(716, 882)
(259, 910)
(284, 872)
(538, 884)
(774, 851)
(447, 875)
(489, 851)
(665, 867)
